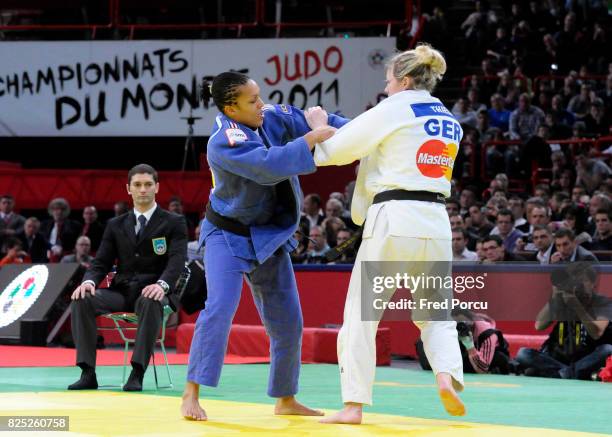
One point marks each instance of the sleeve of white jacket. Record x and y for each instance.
(358, 138)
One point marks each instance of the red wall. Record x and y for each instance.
(33, 189)
(322, 295)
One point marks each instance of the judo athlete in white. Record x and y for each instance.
(407, 145)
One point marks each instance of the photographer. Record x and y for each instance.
(483, 347)
(581, 339)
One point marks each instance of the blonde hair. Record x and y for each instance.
(424, 64)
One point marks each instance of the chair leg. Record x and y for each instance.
(155, 371)
(167, 364)
(125, 356)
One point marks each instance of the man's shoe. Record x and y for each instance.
(134, 382)
(88, 381)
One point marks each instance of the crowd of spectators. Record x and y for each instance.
(59, 237)
(545, 74)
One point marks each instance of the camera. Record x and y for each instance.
(463, 329)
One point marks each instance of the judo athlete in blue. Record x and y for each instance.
(255, 153)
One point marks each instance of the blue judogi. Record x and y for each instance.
(255, 183)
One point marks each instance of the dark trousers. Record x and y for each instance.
(84, 330)
(548, 366)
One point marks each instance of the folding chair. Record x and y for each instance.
(132, 319)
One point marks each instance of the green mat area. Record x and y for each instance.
(507, 400)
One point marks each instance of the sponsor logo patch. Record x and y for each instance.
(435, 159)
(235, 136)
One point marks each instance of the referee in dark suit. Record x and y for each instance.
(149, 246)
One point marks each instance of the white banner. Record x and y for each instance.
(143, 88)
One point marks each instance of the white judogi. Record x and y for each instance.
(408, 141)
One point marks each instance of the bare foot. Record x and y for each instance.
(448, 395)
(290, 406)
(350, 414)
(190, 407)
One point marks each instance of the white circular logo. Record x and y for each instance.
(21, 293)
(376, 58)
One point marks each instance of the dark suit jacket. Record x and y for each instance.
(68, 235)
(38, 248)
(95, 233)
(139, 263)
(15, 223)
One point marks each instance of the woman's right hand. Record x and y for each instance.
(316, 117)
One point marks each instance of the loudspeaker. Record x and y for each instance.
(33, 292)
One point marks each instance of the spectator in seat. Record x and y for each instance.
(501, 47)
(596, 122)
(499, 116)
(606, 94)
(82, 253)
(60, 231)
(318, 247)
(333, 208)
(517, 206)
(460, 251)
(11, 223)
(542, 239)
(458, 222)
(312, 209)
(559, 163)
(467, 198)
(463, 113)
(453, 206)
(480, 250)
(558, 201)
(478, 222)
(120, 208)
(194, 250)
(567, 249)
(575, 218)
(14, 253)
(525, 120)
(473, 101)
(175, 205)
(332, 225)
(602, 240)
(493, 247)
(92, 228)
(33, 242)
(486, 133)
(539, 215)
(506, 230)
(597, 202)
(581, 339)
(578, 192)
(590, 172)
(562, 115)
(579, 104)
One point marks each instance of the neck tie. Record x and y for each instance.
(143, 222)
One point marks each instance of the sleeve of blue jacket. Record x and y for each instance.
(294, 122)
(266, 166)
